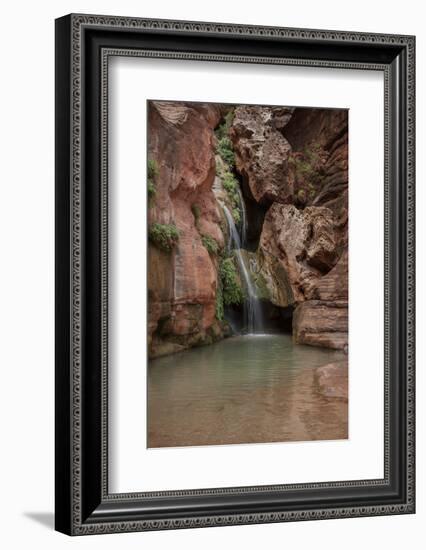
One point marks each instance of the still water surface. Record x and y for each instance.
(245, 389)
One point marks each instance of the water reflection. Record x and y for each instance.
(245, 389)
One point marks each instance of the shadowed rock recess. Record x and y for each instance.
(248, 224)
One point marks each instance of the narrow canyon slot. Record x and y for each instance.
(247, 274)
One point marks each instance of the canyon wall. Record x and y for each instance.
(182, 280)
(295, 162)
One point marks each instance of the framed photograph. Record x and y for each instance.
(234, 274)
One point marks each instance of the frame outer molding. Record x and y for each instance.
(70, 520)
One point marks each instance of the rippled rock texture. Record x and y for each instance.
(262, 151)
(296, 161)
(182, 281)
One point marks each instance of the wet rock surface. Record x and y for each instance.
(332, 380)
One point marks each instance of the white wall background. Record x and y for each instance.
(26, 289)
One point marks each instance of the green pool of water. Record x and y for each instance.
(244, 389)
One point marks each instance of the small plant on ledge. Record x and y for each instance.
(224, 149)
(152, 173)
(223, 129)
(163, 236)
(308, 170)
(210, 244)
(230, 184)
(219, 311)
(231, 288)
(224, 144)
(236, 215)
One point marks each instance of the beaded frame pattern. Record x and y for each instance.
(79, 22)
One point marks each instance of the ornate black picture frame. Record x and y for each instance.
(84, 44)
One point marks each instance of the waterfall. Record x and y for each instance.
(252, 310)
(243, 218)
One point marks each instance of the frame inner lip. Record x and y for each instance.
(106, 53)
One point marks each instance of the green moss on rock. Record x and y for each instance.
(152, 174)
(163, 236)
(210, 244)
(220, 315)
(231, 288)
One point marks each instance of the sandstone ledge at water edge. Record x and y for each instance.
(321, 323)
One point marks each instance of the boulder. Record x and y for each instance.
(261, 151)
(319, 323)
(332, 380)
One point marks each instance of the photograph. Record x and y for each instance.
(247, 270)
(234, 272)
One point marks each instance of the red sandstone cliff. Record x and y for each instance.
(182, 282)
(293, 165)
(296, 161)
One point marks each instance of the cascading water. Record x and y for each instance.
(252, 309)
(243, 225)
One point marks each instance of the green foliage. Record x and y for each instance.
(163, 236)
(308, 162)
(236, 214)
(223, 130)
(231, 289)
(152, 173)
(302, 166)
(220, 315)
(308, 170)
(224, 149)
(210, 244)
(313, 153)
(262, 290)
(151, 189)
(224, 146)
(230, 184)
(152, 169)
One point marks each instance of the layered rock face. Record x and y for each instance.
(262, 150)
(296, 162)
(182, 282)
(292, 165)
